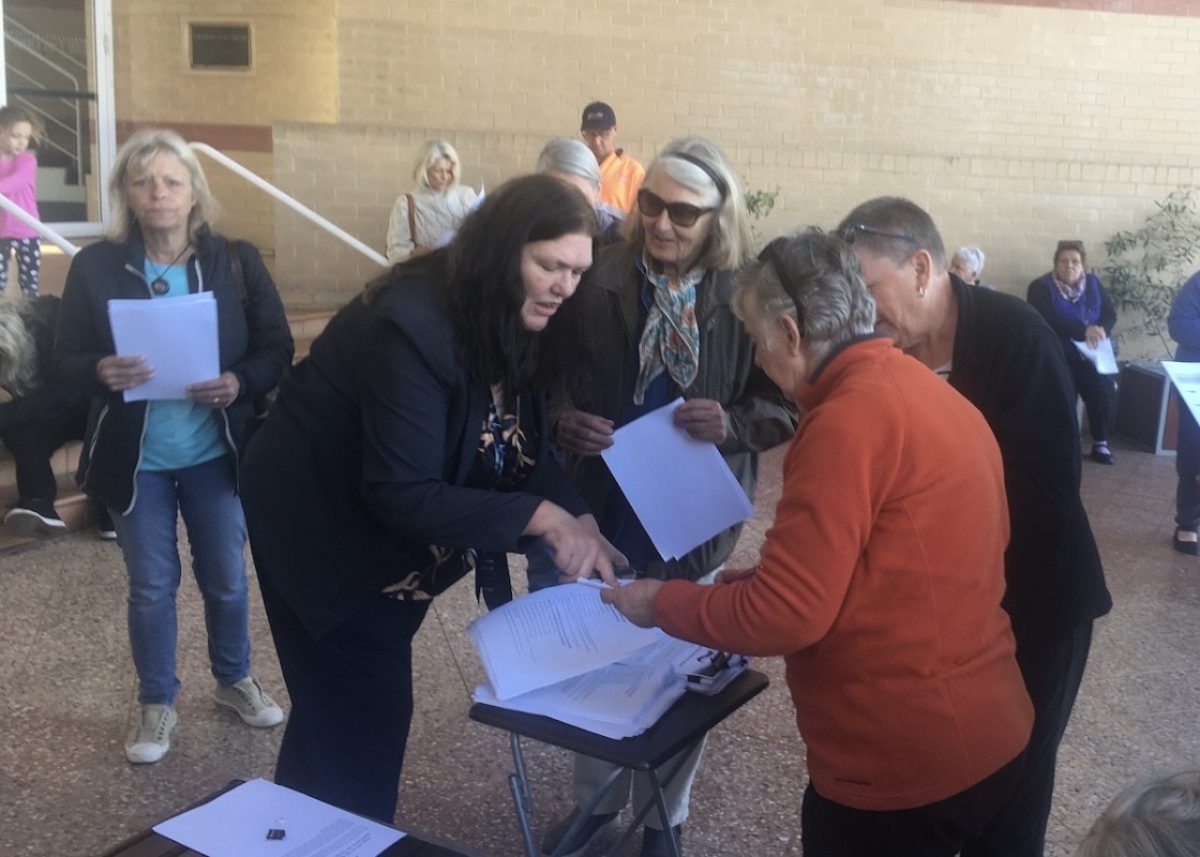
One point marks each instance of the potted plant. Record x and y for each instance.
(1146, 267)
(1144, 271)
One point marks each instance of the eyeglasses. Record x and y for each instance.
(681, 213)
(850, 232)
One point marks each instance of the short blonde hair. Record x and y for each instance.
(432, 152)
(138, 151)
(729, 242)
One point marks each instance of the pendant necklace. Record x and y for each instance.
(159, 284)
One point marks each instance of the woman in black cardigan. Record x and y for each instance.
(412, 439)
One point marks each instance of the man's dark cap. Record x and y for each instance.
(598, 116)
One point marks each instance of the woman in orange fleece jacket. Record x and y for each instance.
(880, 580)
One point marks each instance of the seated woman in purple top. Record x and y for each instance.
(1077, 307)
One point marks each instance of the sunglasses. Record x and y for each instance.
(850, 232)
(680, 213)
(772, 255)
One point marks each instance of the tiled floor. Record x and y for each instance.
(65, 788)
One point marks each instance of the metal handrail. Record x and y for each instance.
(77, 131)
(14, 28)
(37, 226)
(298, 207)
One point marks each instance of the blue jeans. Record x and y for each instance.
(212, 513)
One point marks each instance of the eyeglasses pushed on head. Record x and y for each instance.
(680, 213)
(849, 233)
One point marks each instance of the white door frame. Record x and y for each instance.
(104, 114)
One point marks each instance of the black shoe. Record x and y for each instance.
(655, 843)
(1101, 455)
(33, 518)
(1188, 546)
(104, 526)
(593, 827)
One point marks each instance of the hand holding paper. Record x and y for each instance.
(635, 601)
(176, 337)
(1101, 355)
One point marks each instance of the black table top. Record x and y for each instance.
(683, 724)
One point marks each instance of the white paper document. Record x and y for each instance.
(618, 700)
(1101, 356)
(680, 488)
(1186, 378)
(235, 824)
(177, 336)
(555, 634)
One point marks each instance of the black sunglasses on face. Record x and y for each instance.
(850, 232)
(681, 213)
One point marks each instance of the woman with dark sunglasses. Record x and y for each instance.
(653, 323)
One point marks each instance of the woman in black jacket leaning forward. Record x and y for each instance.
(412, 438)
(150, 461)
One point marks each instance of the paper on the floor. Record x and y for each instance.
(235, 824)
(1101, 356)
(177, 336)
(552, 635)
(617, 701)
(680, 488)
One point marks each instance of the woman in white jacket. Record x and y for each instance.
(421, 219)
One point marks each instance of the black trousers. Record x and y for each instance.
(32, 445)
(1099, 394)
(1187, 466)
(352, 703)
(941, 829)
(1053, 670)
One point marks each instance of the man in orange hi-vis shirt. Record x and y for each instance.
(620, 175)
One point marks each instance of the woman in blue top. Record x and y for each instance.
(150, 461)
(1077, 307)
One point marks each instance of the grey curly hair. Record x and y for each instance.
(18, 353)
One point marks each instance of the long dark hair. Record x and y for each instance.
(484, 287)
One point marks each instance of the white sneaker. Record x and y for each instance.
(250, 701)
(151, 738)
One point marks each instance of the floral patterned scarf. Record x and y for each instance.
(671, 339)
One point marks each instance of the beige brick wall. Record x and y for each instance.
(1014, 125)
(293, 79)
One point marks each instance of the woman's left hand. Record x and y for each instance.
(635, 601)
(1094, 335)
(703, 419)
(220, 392)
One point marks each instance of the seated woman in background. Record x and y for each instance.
(1157, 817)
(1077, 307)
(900, 659)
(41, 414)
(967, 265)
(152, 461)
(412, 438)
(423, 219)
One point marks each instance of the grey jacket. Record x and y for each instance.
(759, 415)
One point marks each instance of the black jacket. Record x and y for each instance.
(254, 339)
(1009, 364)
(759, 415)
(363, 462)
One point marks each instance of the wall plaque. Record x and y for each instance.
(220, 46)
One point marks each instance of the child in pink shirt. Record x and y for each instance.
(18, 182)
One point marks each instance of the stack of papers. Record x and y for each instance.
(565, 654)
(177, 336)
